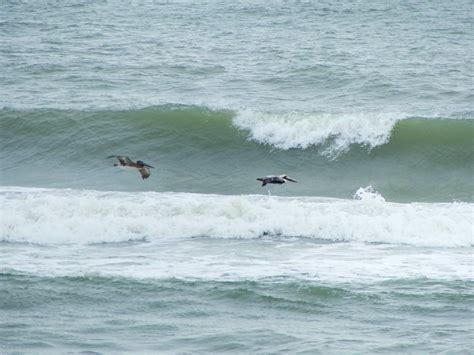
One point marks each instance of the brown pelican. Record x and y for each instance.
(126, 162)
(275, 179)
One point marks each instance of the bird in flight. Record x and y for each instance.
(275, 179)
(126, 162)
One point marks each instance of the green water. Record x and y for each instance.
(200, 150)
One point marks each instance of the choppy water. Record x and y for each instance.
(367, 104)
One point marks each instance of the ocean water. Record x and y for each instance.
(367, 104)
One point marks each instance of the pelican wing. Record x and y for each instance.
(123, 160)
(145, 172)
(265, 180)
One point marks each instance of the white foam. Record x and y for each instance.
(368, 194)
(82, 217)
(334, 132)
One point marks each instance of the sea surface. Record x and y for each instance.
(367, 104)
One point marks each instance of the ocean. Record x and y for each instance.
(367, 104)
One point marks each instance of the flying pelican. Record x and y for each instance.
(126, 162)
(275, 179)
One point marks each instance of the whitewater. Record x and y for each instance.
(44, 216)
(301, 238)
(167, 262)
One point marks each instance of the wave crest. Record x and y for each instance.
(335, 132)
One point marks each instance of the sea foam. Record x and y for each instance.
(82, 217)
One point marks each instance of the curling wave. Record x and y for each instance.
(334, 132)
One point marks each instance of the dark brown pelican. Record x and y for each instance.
(275, 179)
(126, 162)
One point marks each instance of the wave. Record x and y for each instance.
(200, 150)
(57, 216)
(334, 133)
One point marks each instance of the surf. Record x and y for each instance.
(66, 216)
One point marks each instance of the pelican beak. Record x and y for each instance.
(148, 166)
(290, 179)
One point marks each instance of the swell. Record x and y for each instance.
(289, 286)
(123, 315)
(27, 291)
(198, 148)
(337, 133)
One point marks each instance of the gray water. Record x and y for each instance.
(368, 105)
(409, 56)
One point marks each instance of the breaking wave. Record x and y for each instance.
(334, 132)
(197, 149)
(54, 216)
